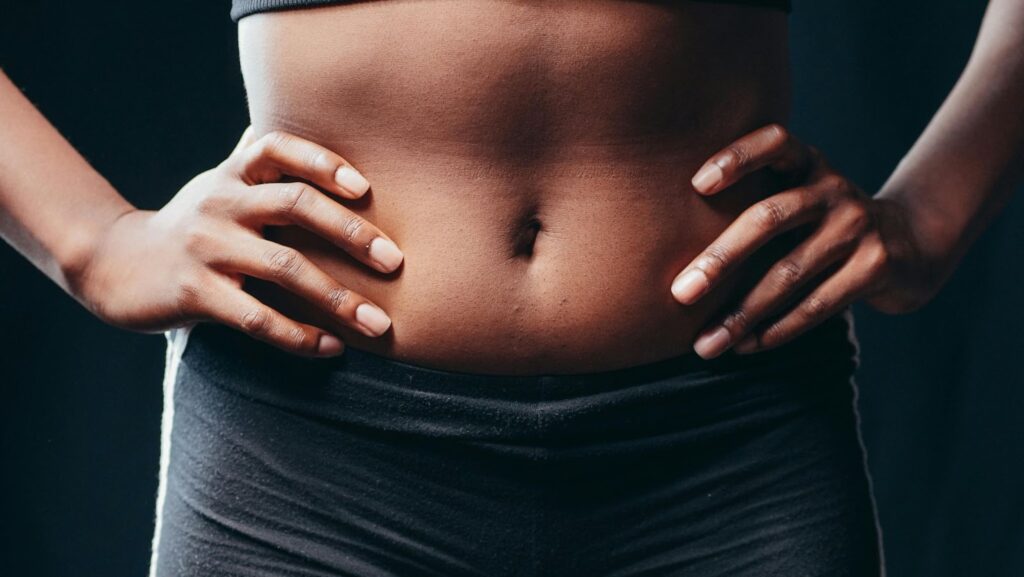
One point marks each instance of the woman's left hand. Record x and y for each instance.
(869, 243)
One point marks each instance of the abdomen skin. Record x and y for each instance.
(531, 159)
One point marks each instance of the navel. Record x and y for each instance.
(525, 236)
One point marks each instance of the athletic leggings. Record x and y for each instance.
(275, 465)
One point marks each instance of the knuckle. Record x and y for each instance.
(351, 226)
(813, 200)
(773, 333)
(814, 307)
(844, 243)
(282, 262)
(314, 160)
(256, 321)
(274, 143)
(876, 257)
(197, 240)
(738, 154)
(716, 258)
(769, 214)
(209, 204)
(834, 183)
(338, 298)
(738, 321)
(290, 196)
(188, 295)
(857, 216)
(300, 340)
(788, 273)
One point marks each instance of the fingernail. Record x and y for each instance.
(351, 180)
(708, 177)
(747, 345)
(373, 319)
(712, 344)
(691, 285)
(385, 253)
(329, 346)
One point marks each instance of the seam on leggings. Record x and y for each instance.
(852, 335)
(871, 481)
(177, 339)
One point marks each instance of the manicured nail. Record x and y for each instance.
(385, 253)
(690, 286)
(351, 180)
(708, 177)
(374, 319)
(329, 346)
(747, 345)
(713, 344)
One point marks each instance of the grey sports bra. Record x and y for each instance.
(242, 8)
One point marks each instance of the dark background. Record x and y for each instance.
(154, 96)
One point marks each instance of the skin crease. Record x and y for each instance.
(477, 122)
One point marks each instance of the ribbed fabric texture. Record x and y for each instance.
(242, 8)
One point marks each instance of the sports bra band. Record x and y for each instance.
(243, 8)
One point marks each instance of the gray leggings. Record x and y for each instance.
(364, 466)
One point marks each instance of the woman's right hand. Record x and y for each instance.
(187, 262)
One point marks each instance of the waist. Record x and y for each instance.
(380, 394)
(532, 161)
(573, 276)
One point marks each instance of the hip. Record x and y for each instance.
(362, 388)
(365, 465)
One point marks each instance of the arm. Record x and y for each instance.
(963, 168)
(153, 270)
(53, 205)
(895, 250)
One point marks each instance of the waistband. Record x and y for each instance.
(828, 349)
(381, 395)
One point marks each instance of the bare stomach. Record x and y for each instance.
(532, 160)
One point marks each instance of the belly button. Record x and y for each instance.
(526, 237)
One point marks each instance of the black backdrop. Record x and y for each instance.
(153, 96)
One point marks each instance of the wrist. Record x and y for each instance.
(936, 234)
(80, 245)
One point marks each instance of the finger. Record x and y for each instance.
(771, 145)
(237, 309)
(848, 284)
(777, 288)
(278, 154)
(247, 138)
(288, 268)
(755, 226)
(301, 204)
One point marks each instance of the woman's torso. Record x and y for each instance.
(531, 159)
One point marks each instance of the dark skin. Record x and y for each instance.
(867, 244)
(221, 216)
(893, 249)
(532, 160)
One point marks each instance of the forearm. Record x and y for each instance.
(966, 164)
(54, 206)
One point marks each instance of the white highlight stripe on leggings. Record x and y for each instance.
(176, 341)
(852, 336)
